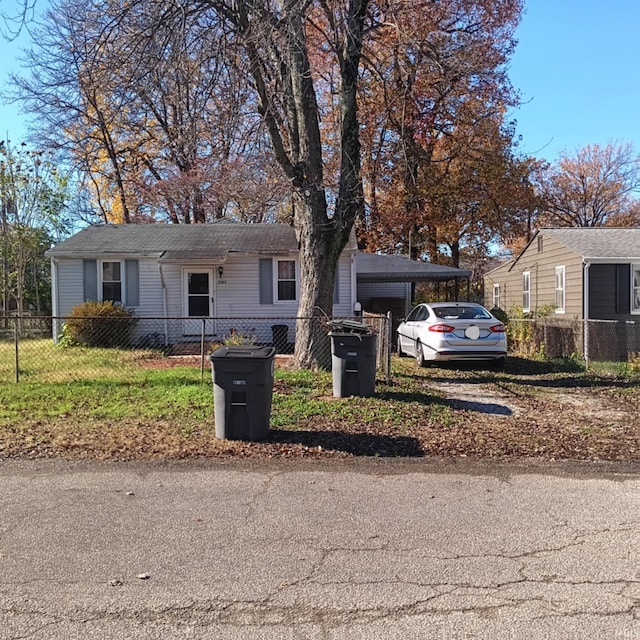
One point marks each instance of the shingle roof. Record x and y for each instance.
(192, 243)
(599, 242)
(176, 241)
(373, 267)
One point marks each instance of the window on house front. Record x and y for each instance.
(560, 289)
(286, 279)
(635, 288)
(526, 291)
(540, 244)
(111, 279)
(496, 296)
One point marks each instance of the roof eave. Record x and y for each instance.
(412, 277)
(88, 255)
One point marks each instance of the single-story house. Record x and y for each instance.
(581, 273)
(217, 271)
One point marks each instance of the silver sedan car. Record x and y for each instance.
(441, 331)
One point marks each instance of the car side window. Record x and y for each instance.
(413, 315)
(423, 312)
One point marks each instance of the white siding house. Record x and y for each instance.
(213, 278)
(222, 271)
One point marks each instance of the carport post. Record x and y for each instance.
(204, 328)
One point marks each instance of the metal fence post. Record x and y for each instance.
(16, 342)
(389, 339)
(204, 328)
(585, 333)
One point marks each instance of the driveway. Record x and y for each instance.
(318, 550)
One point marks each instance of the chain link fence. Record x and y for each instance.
(27, 349)
(589, 340)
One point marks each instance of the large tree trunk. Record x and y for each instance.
(276, 47)
(320, 249)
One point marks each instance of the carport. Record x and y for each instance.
(386, 283)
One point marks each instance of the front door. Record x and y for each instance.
(198, 301)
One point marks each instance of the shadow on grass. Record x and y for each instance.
(522, 366)
(519, 366)
(585, 382)
(356, 444)
(409, 397)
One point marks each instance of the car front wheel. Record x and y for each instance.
(399, 350)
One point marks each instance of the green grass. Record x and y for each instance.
(41, 361)
(98, 384)
(113, 404)
(177, 394)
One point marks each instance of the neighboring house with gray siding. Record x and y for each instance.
(586, 273)
(581, 273)
(217, 271)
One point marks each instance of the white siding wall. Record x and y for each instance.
(344, 306)
(236, 296)
(151, 303)
(367, 291)
(172, 274)
(70, 285)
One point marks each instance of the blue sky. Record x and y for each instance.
(576, 66)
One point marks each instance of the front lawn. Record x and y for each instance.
(110, 404)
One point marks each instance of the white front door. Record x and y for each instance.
(198, 301)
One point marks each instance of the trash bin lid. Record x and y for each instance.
(242, 351)
(350, 326)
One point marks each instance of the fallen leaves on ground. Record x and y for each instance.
(558, 416)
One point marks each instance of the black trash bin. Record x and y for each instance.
(353, 364)
(280, 333)
(242, 390)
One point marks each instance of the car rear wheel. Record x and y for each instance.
(420, 354)
(499, 364)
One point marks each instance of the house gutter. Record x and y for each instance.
(165, 305)
(354, 283)
(585, 311)
(54, 299)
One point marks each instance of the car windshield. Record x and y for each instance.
(461, 312)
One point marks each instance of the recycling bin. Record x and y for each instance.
(353, 364)
(242, 391)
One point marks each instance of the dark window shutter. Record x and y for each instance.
(132, 283)
(266, 280)
(336, 288)
(623, 288)
(90, 280)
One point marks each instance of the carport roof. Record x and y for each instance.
(375, 267)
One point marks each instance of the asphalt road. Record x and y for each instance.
(370, 549)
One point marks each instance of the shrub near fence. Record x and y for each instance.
(545, 338)
(27, 351)
(590, 340)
